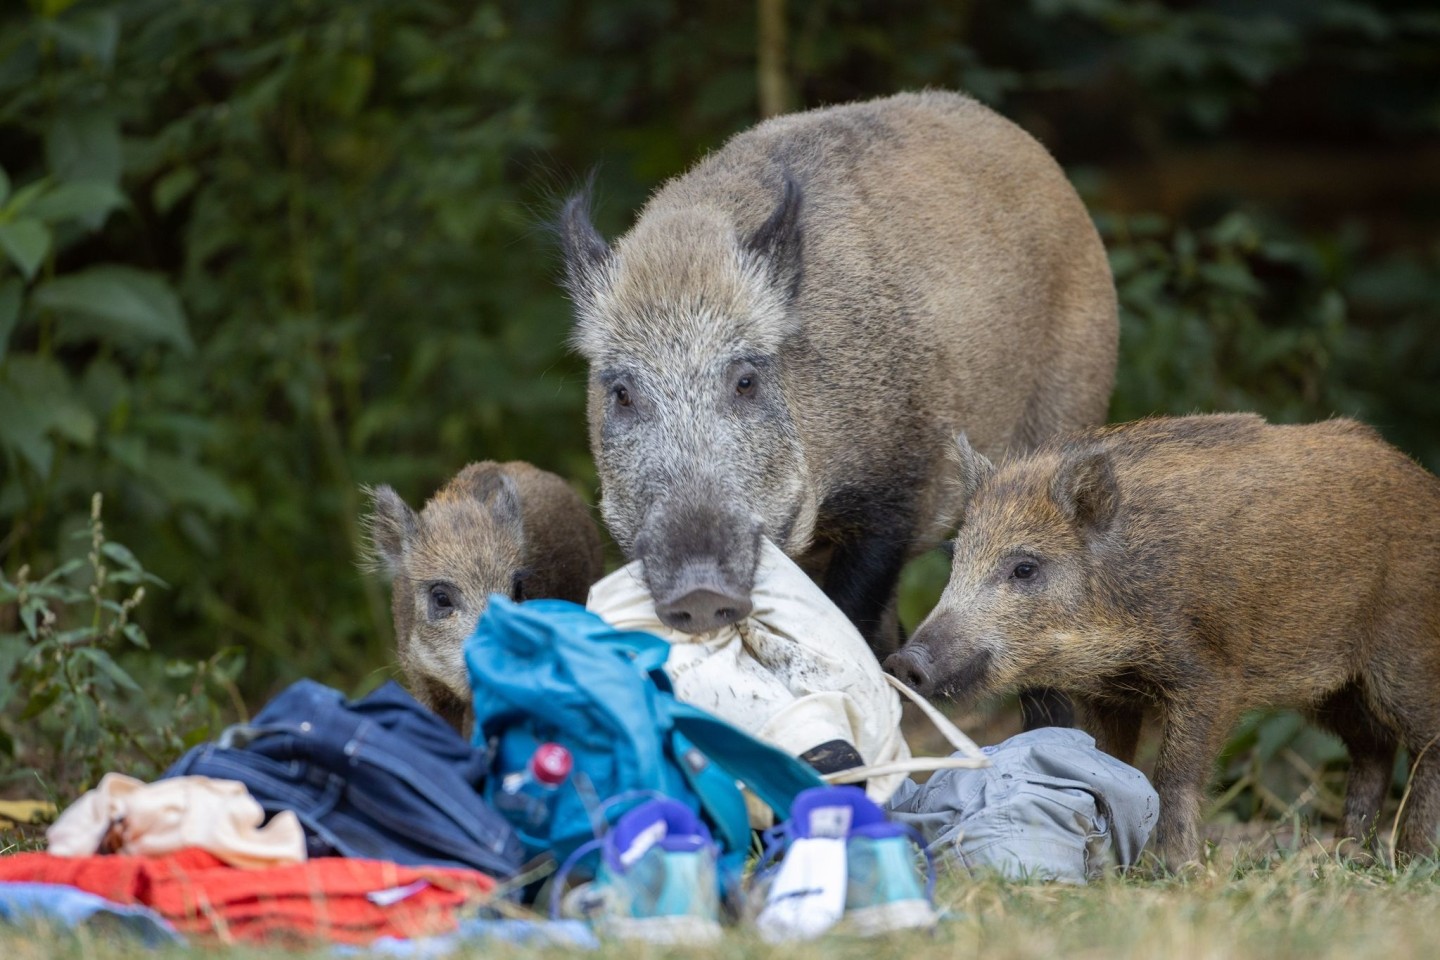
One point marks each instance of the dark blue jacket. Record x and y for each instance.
(380, 778)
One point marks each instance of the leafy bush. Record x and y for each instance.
(71, 706)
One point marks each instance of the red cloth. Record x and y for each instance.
(319, 899)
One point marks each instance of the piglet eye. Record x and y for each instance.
(1024, 570)
(442, 604)
(622, 396)
(745, 385)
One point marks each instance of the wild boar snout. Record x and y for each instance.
(939, 659)
(699, 559)
(912, 666)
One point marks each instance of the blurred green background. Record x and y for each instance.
(254, 253)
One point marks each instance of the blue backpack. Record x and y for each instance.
(550, 670)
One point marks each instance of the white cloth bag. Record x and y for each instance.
(795, 673)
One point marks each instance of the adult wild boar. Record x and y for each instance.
(1200, 567)
(787, 338)
(507, 528)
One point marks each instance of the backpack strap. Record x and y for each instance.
(771, 774)
(715, 787)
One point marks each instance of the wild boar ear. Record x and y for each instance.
(500, 496)
(586, 252)
(390, 525)
(779, 240)
(506, 508)
(971, 469)
(1085, 490)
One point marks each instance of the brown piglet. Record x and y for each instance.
(506, 528)
(1199, 567)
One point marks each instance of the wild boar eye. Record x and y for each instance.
(442, 602)
(622, 395)
(745, 386)
(1024, 570)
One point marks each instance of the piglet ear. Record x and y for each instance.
(1085, 490)
(506, 508)
(779, 240)
(389, 528)
(970, 468)
(488, 483)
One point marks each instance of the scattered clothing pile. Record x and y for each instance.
(320, 819)
(128, 816)
(372, 823)
(380, 778)
(331, 898)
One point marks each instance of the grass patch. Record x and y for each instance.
(1243, 905)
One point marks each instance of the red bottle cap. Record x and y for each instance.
(551, 764)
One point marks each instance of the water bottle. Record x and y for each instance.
(528, 794)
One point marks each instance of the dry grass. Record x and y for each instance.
(1252, 901)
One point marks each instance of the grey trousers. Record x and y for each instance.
(1051, 806)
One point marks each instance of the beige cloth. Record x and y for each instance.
(125, 815)
(795, 673)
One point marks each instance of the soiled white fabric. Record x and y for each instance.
(795, 672)
(130, 816)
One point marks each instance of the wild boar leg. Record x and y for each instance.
(1418, 836)
(1045, 707)
(1404, 687)
(1195, 726)
(1372, 757)
(862, 578)
(1116, 727)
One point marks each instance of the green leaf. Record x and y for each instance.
(38, 400)
(174, 187)
(89, 202)
(120, 554)
(4, 185)
(52, 8)
(348, 83)
(9, 312)
(29, 614)
(40, 702)
(62, 571)
(76, 637)
(136, 635)
(20, 201)
(109, 667)
(185, 481)
(84, 145)
(122, 301)
(91, 34)
(26, 242)
(12, 650)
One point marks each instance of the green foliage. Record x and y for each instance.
(79, 694)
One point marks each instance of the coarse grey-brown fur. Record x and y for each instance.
(787, 338)
(507, 528)
(1196, 568)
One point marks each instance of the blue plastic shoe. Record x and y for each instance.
(658, 878)
(844, 866)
